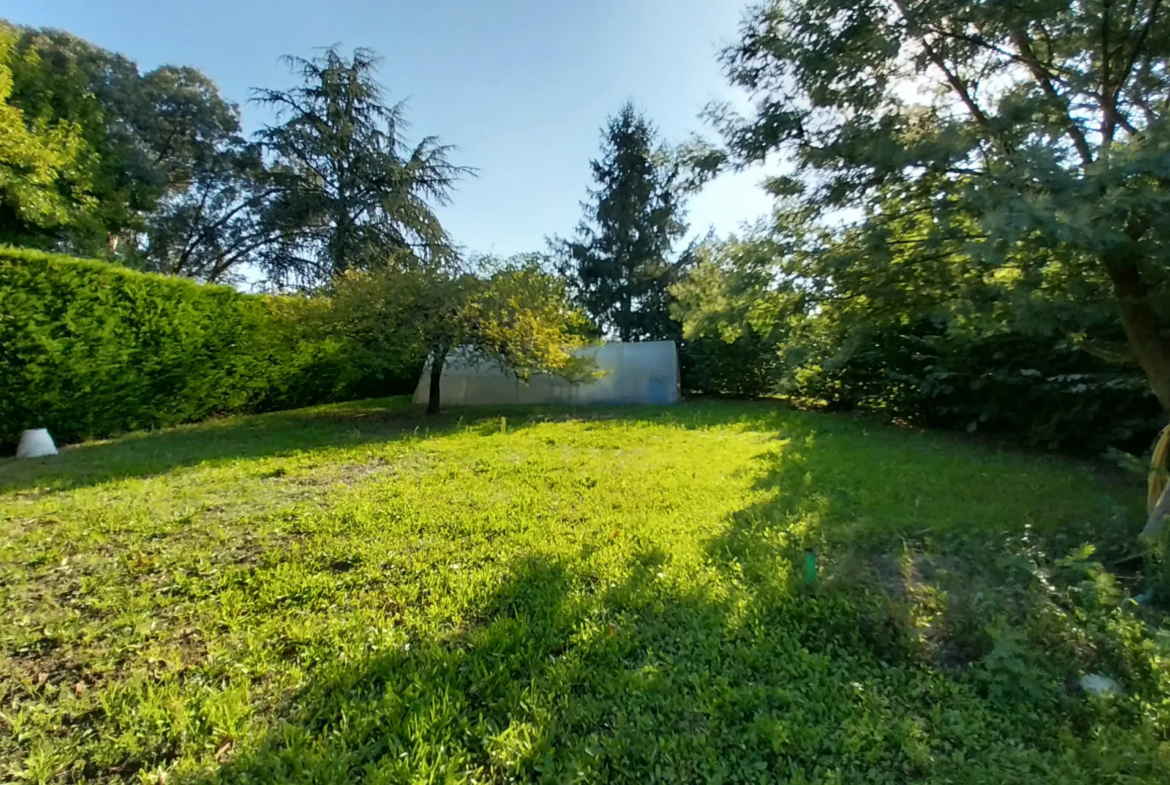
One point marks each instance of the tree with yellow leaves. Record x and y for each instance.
(404, 313)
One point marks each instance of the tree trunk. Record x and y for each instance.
(437, 361)
(624, 324)
(1140, 322)
(1152, 352)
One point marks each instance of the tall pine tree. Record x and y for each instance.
(351, 192)
(618, 263)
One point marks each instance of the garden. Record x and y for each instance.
(906, 522)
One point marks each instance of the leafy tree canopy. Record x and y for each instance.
(42, 183)
(162, 177)
(147, 136)
(512, 312)
(1001, 154)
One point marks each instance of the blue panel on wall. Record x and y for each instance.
(659, 392)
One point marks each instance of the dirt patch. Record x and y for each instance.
(936, 605)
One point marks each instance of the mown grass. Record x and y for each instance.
(360, 593)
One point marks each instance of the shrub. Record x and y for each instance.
(746, 367)
(1045, 393)
(89, 349)
(311, 362)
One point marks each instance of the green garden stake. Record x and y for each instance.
(810, 567)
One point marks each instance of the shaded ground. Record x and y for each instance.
(358, 593)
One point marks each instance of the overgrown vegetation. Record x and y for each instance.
(767, 328)
(358, 592)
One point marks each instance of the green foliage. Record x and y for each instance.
(42, 185)
(91, 350)
(216, 225)
(305, 362)
(936, 347)
(734, 308)
(142, 138)
(357, 593)
(88, 349)
(1042, 392)
(618, 264)
(521, 317)
(977, 146)
(746, 367)
(403, 313)
(347, 188)
(151, 168)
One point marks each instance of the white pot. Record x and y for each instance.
(35, 443)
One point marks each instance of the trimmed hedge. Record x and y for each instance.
(89, 349)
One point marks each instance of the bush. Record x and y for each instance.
(745, 368)
(1046, 393)
(308, 363)
(89, 349)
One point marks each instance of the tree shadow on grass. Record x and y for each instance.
(153, 453)
(735, 672)
(943, 578)
(353, 424)
(738, 673)
(565, 680)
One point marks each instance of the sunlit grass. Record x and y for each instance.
(359, 592)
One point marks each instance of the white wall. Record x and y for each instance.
(634, 373)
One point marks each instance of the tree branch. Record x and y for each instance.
(952, 78)
(1044, 79)
(1143, 34)
(1110, 96)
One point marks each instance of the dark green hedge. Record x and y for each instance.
(89, 349)
(745, 368)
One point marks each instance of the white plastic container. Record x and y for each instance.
(35, 443)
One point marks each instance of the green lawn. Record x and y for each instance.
(359, 592)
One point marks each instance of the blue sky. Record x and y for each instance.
(521, 86)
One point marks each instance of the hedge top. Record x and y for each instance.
(10, 255)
